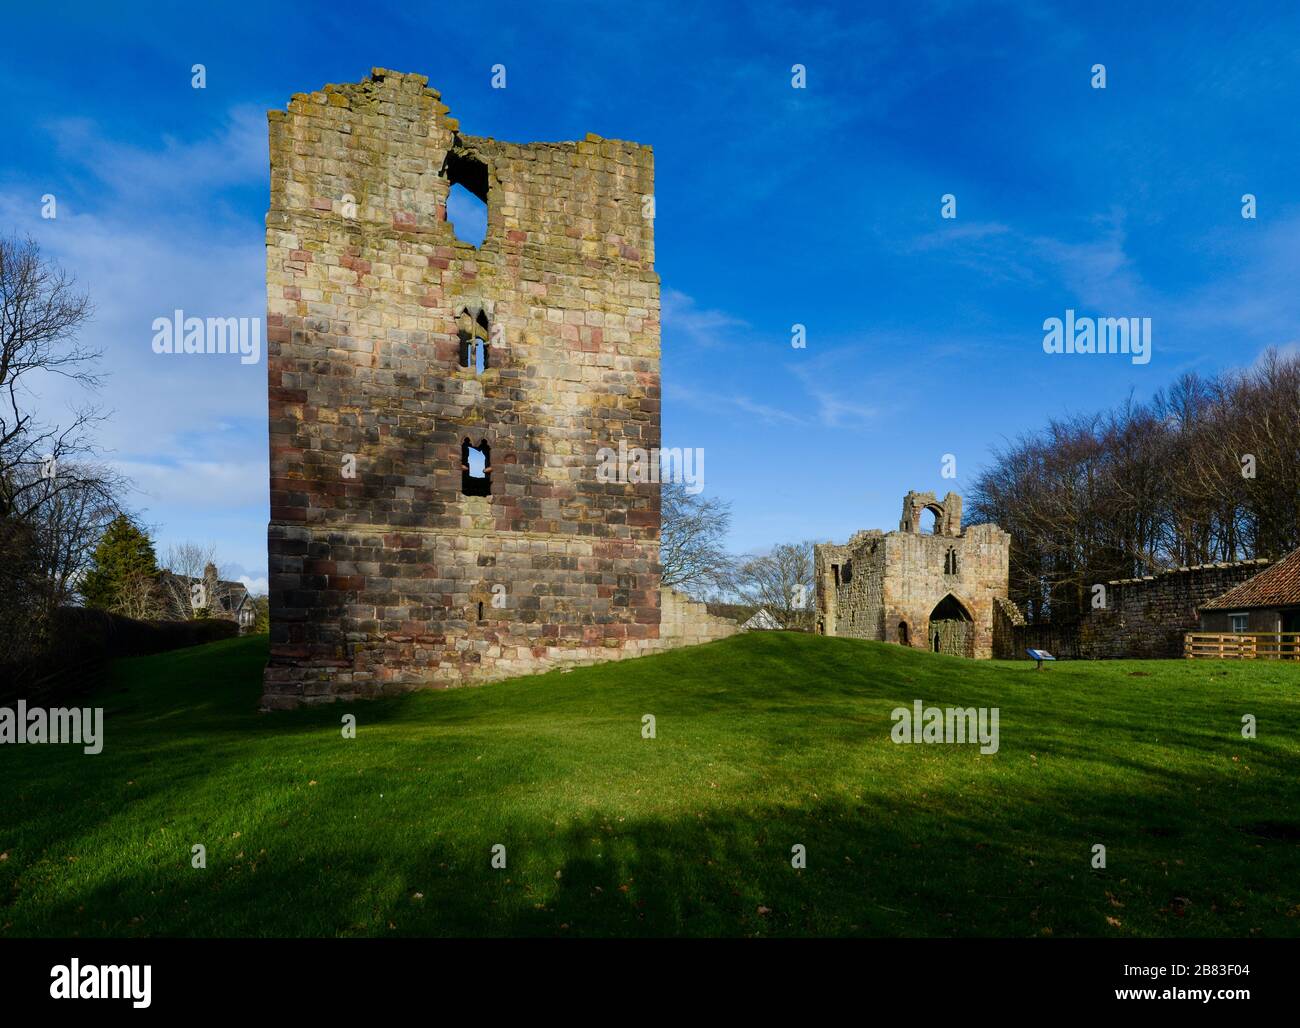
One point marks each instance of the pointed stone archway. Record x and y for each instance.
(952, 628)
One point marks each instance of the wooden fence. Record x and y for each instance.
(1241, 646)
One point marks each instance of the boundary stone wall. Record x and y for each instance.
(1143, 618)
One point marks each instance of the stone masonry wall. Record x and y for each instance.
(1143, 618)
(389, 578)
(849, 582)
(886, 580)
(915, 581)
(686, 622)
(1007, 620)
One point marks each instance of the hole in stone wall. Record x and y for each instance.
(928, 523)
(467, 211)
(475, 468)
(467, 215)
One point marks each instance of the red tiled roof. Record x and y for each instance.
(1279, 586)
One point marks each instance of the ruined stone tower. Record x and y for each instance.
(930, 590)
(436, 408)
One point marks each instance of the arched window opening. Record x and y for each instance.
(928, 522)
(474, 333)
(480, 610)
(475, 468)
(467, 196)
(903, 636)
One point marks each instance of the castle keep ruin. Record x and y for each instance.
(436, 408)
(930, 590)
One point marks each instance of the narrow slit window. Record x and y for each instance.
(475, 468)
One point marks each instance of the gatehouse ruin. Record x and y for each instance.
(933, 590)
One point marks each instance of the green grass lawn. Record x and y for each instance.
(764, 741)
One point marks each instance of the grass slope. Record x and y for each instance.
(764, 741)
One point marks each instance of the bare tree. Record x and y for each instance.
(1208, 471)
(69, 515)
(191, 582)
(41, 312)
(53, 496)
(691, 540)
(780, 580)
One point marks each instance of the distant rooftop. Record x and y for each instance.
(1279, 586)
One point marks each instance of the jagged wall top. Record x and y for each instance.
(385, 143)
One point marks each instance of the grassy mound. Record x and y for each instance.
(764, 741)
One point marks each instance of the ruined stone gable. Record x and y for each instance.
(394, 349)
(927, 590)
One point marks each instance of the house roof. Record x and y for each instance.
(230, 595)
(1278, 586)
(762, 618)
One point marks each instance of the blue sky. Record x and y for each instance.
(775, 206)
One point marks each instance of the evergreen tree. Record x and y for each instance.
(262, 625)
(125, 555)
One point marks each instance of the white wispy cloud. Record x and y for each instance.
(255, 586)
(237, 153)
(684, 318)
(188, 430)
(213, 485)
(834, 382)
(709, 400)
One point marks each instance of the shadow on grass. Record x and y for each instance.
(873, 868)
(995, 846)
